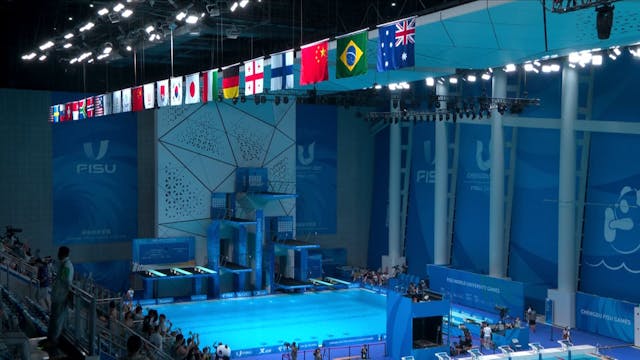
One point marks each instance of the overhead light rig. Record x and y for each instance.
(457, 107)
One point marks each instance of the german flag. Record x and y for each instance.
(231, 81)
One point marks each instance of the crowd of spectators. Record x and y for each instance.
(370, 277)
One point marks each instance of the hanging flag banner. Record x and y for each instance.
(149, 96)
(100, 105)
(126, 100)
(162, 89)
(68, 112)
(82, 110)
(351, 53)
(254, 77)
(54, 113)
(117, 102)
(314, 66)
(75, 113)
(89, 106)
(396, 43)
(282, 70)
(176, 91)
(231, 81)
(137, 103)
(209, 85)
(192, 89)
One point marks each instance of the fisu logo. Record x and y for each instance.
(96, 167)
(306, 160)
(427, 176)
(483, 164)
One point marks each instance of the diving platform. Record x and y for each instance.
(320, 282)
(294, 244)
(290, 284)
(235, 268)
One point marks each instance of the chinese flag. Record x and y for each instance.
(314, 66)
(138, 99)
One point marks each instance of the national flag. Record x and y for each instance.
(54, 113)
(137, 102)
(116, 102)
(254, 77)
(314, 65)
(231, 82)
(176, 91)
(149, 96)
(192, 95)
(282, 70)
(209, 85)
(82, 110)
(162, 89)
(62, 112)
(396, 43)
(126, 99)
(75, 113)
(68, 113)
(351, 53)
(89, 106)
(98, 103)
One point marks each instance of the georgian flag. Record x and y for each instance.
(176, 91)
(162, 92)
(254, 77)
(149, 96)
(117, 102)
(282, 70)
(193, 89)
(209, 85)
(126, 99)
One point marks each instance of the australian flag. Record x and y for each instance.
(396, 43)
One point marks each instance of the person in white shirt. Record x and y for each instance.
(486, 336)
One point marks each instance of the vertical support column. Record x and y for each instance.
(395, 165)
(441, 187)
(240, 257)
(213, 246)
(257, 269)
(302, 264)
(564, 296)
(497, 253)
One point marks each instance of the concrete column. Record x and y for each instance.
(441, 244)
(497, 252)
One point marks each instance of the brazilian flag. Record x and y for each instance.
(351, 51)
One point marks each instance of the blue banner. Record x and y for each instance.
(478, 291)
(419, 239)
(471, 227)
(113, 275)
(95, 180)
(379, 228)
(604, 316)
(316, 167)
(611, 245)
(535, 191)
(163, 250)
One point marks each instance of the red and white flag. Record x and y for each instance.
(149, 96)
(192, 88)
(162, 92)
(176, 91)
(117, 101)
(137, 104)
(254, 77)
(209, 85)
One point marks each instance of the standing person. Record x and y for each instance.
(566, 334)
(486, 336)
(294, 351)
(61, 297)
(364, 352)
(317, 354)
(44, 284)
(531, 319)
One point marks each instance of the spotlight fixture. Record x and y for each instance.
(67, 45)
(126, 13)
(243, 99)
(46, 45)
(430, 81)
(181, 15)
(243, 3)
(604, 20)
(234, 6)
(68, 36)
(285, 99)
(235, 100)
(191, 19)
(263, 99)
(103, 11)
(510, 68)
(129, 48)
(42, 57)
(486, 76)
(149, 29)
(471, 78)
(276, 100)
(118, 7)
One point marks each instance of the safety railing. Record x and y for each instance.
(14, 265)
(377, 350)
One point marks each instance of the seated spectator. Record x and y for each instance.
(134, 348)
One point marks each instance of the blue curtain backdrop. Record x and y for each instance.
(316, 166)
(471, 227)
(419, 242)
(95, 180)
(379, 243)
(612, 219)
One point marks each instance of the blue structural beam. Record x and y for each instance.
(301, 265)
(213, 258)
(258, 249)
(240, 256)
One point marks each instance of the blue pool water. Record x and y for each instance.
(256, 322)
